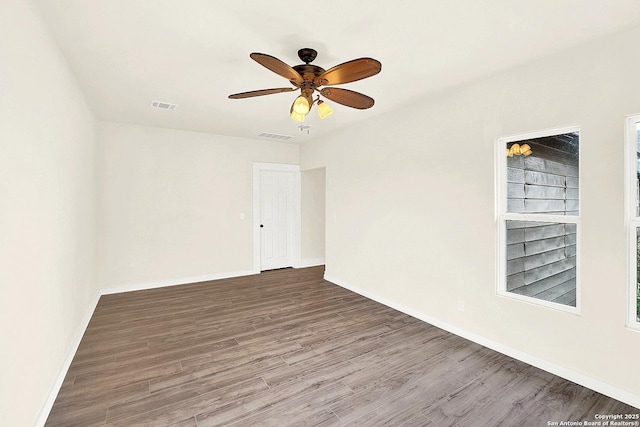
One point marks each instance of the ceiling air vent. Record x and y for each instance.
(164, 105)
(274, 136)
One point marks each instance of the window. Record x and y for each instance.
(632, 174)
(538, 218)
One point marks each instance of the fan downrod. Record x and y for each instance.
(307, 55)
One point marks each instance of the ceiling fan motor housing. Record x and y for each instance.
(306, 54)
(308, 72)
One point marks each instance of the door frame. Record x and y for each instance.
(295, 214)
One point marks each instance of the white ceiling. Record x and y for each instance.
(194, 53)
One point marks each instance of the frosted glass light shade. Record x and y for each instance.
(296, 116)
(324, 109)
(301, 105)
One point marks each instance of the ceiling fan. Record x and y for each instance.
(310, 78)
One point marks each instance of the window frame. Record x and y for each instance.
(502, 216)
(632, 218)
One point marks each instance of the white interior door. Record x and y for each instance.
(276, 219)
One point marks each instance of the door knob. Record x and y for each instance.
(261, 225)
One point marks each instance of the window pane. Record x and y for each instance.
(637, 169)
(638, 275)
(541, 260)
(542, 175)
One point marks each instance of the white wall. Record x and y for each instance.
(47, 213)
(313, 216)
(413, 198)
(171, 203)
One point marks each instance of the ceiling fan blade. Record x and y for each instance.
(347, 97)
(261, 92)
(348, 72)
(278, 67)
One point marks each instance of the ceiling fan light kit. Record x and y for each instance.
(517, 150)
(308, 78)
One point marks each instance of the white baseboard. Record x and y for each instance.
(174, 282)
(309, 262)
(561, 371)
(75, 343)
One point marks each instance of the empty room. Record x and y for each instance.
(334, 214)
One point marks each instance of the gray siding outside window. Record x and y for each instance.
(541, 256)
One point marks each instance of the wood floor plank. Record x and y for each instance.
(102, 396)
(117, 377)
(426, 383)
(277, 397)
(298, 410)
(288, 348)
(239, 355)
(321, 418)
(176, 410)
(209, 377)
(84, 416)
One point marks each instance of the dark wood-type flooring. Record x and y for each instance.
(287, 348)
